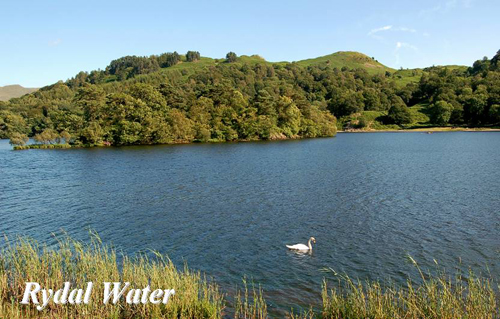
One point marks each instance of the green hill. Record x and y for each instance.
(349, 59)
(183, 69)
(10, 91)
(173, 98)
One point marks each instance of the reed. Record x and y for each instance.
(76, 262)
(24, 260)
(436, 296)
(250, 305)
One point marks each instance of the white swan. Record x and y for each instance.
(302, 247)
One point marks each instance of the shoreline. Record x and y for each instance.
(425, 130)
(428, 130)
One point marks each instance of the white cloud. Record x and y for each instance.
(373, 32)
(386, 28)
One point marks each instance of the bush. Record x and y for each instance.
(231, 57)
(192, 56)
(440, 112)
(362, 122)
(399, 114)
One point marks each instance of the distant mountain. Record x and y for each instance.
(10, 91)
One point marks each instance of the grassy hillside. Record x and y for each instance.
(10, 91)
(352, 60)
(407, 76)
(348, 59)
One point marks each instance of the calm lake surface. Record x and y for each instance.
(229, 209)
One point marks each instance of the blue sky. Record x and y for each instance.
(42, 42)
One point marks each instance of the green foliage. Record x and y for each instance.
(371, 99)
(129, 66)
(345, 102)
(65, 136)
(420, 115)
(441, 112)
(90, 99)
(288, 117)
(471, 92)
(362, 122)
(349, 60)
(166, 60)
(495, 113)
(399, 114)
(48, 136)
(41, 146)
(475, 106)
(192, 56)
(231, 57)
(18, 139)
(12, 123)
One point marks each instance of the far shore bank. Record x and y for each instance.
(426, 130)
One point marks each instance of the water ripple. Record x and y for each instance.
(229, 209)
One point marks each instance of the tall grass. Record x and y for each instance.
(250, 306)
(25, 261)
(434, 296)
(439, 296)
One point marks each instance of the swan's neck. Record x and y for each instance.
(309, 244)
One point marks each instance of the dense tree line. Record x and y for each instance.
(130, 66)
(131, 102)
(470, 97)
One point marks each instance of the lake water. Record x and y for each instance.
(229, 209)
